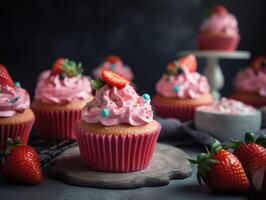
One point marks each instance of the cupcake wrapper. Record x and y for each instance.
(117, 153)
(57, 124)
(218, 43)
(13, 131)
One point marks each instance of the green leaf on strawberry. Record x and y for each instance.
(97, 83)
(67, 67)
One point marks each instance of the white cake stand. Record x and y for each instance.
(213, 70)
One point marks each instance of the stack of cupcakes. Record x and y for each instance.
(60, 95)
(16, 118)
(117, 132)
(181, 89)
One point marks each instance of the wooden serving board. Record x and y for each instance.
(168, 163)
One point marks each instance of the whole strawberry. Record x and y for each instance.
(20, 163)
(221, 170)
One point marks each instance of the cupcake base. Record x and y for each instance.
(182, 109)
(217, 42)
(120, 148)
(19, 125)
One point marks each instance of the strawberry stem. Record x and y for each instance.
(249, 137)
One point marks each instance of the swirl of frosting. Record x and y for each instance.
(53, 89)
(118, 67)
(251, 81)
(185, 85)
(13, 100)
(216, 23)
(227, 106)
(123, 106)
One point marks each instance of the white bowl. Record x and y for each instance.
(226, 127)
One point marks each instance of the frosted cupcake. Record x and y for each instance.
(227, 119)
(181, 89)
(219, 31)
(16, 118)
(114, 63)
(117, 132)
(250, 83)
(60, 95)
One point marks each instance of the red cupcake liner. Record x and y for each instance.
(221, 43)
(57, 124)
(14, 131)
(117, 153)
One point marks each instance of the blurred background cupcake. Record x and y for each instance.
(250, 83)
(16, 118)
(181, 89)
(60, 95)
(117, 132)
(116, 64)
(219, 31)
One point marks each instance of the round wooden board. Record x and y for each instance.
(168, 163)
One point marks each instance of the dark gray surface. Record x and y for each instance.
(186, 189)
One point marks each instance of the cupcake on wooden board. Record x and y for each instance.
(117, 132)
(219, 31)
(60, 95)
(181, 89)
(116, 64)
(250, 83)
(16, 118)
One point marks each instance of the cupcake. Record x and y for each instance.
(227, 119)
(219, 31)
(114, 63)
(181, 89)
(16, 118)
(250, 83)
(60, 95)
(117, 132)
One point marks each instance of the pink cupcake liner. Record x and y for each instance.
(117, 153)
(14, 131)
(221, 43)
(56, 124)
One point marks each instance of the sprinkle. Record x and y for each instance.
(112, 66)
(175, 88)
(146, 97)
(105, 112)
(17, 84)
(12, 101)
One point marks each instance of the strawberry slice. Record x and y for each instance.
(114, 79)
(258, 62)
(5, 78)
(220, 10)
(189, 62)
(113, 59)
(57, 66)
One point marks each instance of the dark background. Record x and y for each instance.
(146, 33)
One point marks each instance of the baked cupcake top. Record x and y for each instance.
(182, 80)
(220, 21)
(253, 79)
(63, 84)
(13, 98)
(116, 102)
(227, 106)
(114, 63)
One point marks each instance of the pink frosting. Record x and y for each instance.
(50, 89)
(13, 100)
(118, 67)
(220, 23)
(186, 85)
(228, 106)
(251, 81)
(124, 105)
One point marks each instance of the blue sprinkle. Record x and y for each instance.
(12, 101)
(112, 66)
(105, 112)
(175, 88)
(146, 97)
(17, 84)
